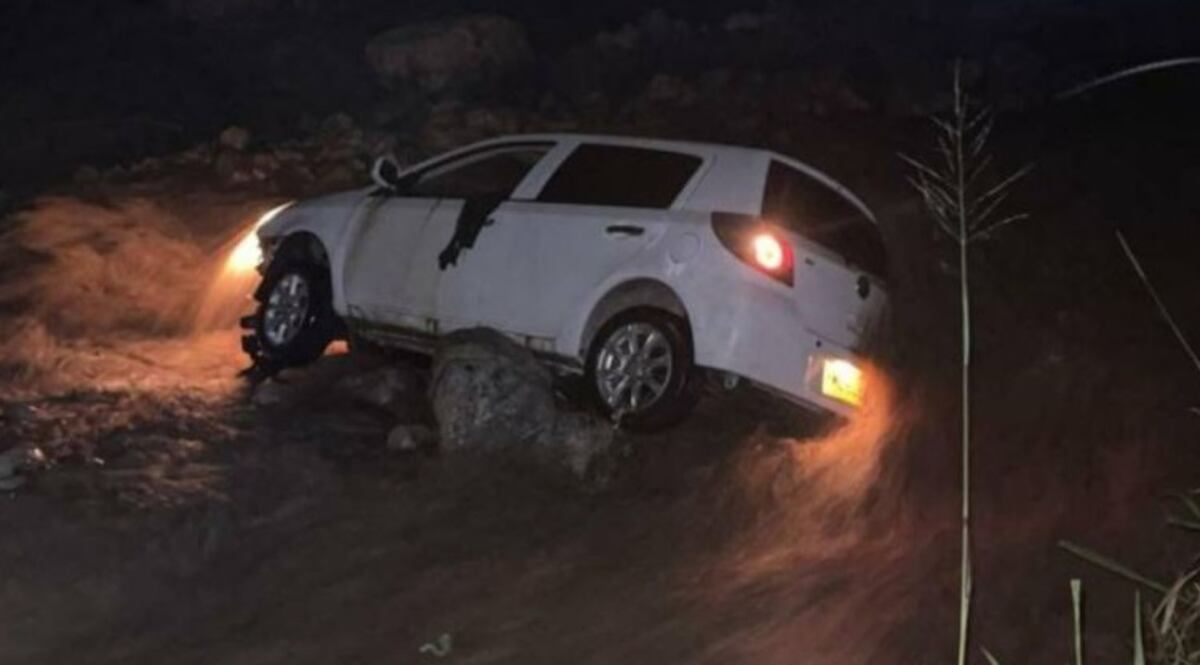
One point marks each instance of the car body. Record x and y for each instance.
(775, 270)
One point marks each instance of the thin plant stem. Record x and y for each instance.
(964, 618)
(1162, 306)
(1139, 647)
(962, 204)
(1126, 73)
(1077, 612)
(1111, 566)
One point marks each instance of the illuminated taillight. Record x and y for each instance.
(768, 251)
(757, 243)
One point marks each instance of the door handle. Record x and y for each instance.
(624, 229)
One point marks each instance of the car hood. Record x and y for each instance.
(307, 213)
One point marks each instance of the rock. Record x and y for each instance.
(234, 138)
(436, 56)
(199, 154)
(337, 177)
(491, 395)
(235, 167)
(409, 438)
(586, 444)
(20, 414)
(487, 393)
(15, 460)
(395, 389)
(266, 162)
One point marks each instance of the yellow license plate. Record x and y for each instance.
(842, 380)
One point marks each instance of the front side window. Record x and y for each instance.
(796, 201)
(611, 175)
(490, 173)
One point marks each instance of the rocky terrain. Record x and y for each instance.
(388, 509)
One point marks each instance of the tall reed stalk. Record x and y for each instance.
(963, 201)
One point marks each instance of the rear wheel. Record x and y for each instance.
(295, 320)
(640, 369)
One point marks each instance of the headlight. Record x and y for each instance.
(248, 253)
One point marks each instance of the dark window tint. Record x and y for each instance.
(490, 173)
(810, 208)
(620, 176)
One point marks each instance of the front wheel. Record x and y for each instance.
(640, 369)
(295, 320)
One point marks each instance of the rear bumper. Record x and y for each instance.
(761, 337)
(797, 377)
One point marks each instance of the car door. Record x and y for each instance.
(386, 242)
(411, 241)
(600, 208)
(467, 263)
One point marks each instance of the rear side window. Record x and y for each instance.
(611, 175)
(805, 205)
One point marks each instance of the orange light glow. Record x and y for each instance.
(768, 251)
(247, 253)
(842, 380)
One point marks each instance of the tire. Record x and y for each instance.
(295, 321)
(648, 353)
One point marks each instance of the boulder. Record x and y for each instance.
(233, 166)
(491, 395)
(14, 462)
(487, 392)
(234, 138)
(436, 56)
(392, 388)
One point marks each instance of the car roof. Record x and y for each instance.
(635, 141)
(733, 155)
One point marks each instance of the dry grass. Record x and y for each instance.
(1167, 632)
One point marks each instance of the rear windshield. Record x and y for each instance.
(796, 201)
(612, 175)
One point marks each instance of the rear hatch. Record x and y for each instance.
(839, 301)
(840, 260)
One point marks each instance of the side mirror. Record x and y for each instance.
(386, 173)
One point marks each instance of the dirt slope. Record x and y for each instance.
(181, 522)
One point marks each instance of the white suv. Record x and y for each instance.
(633, 262)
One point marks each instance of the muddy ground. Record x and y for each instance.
(178, 519)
